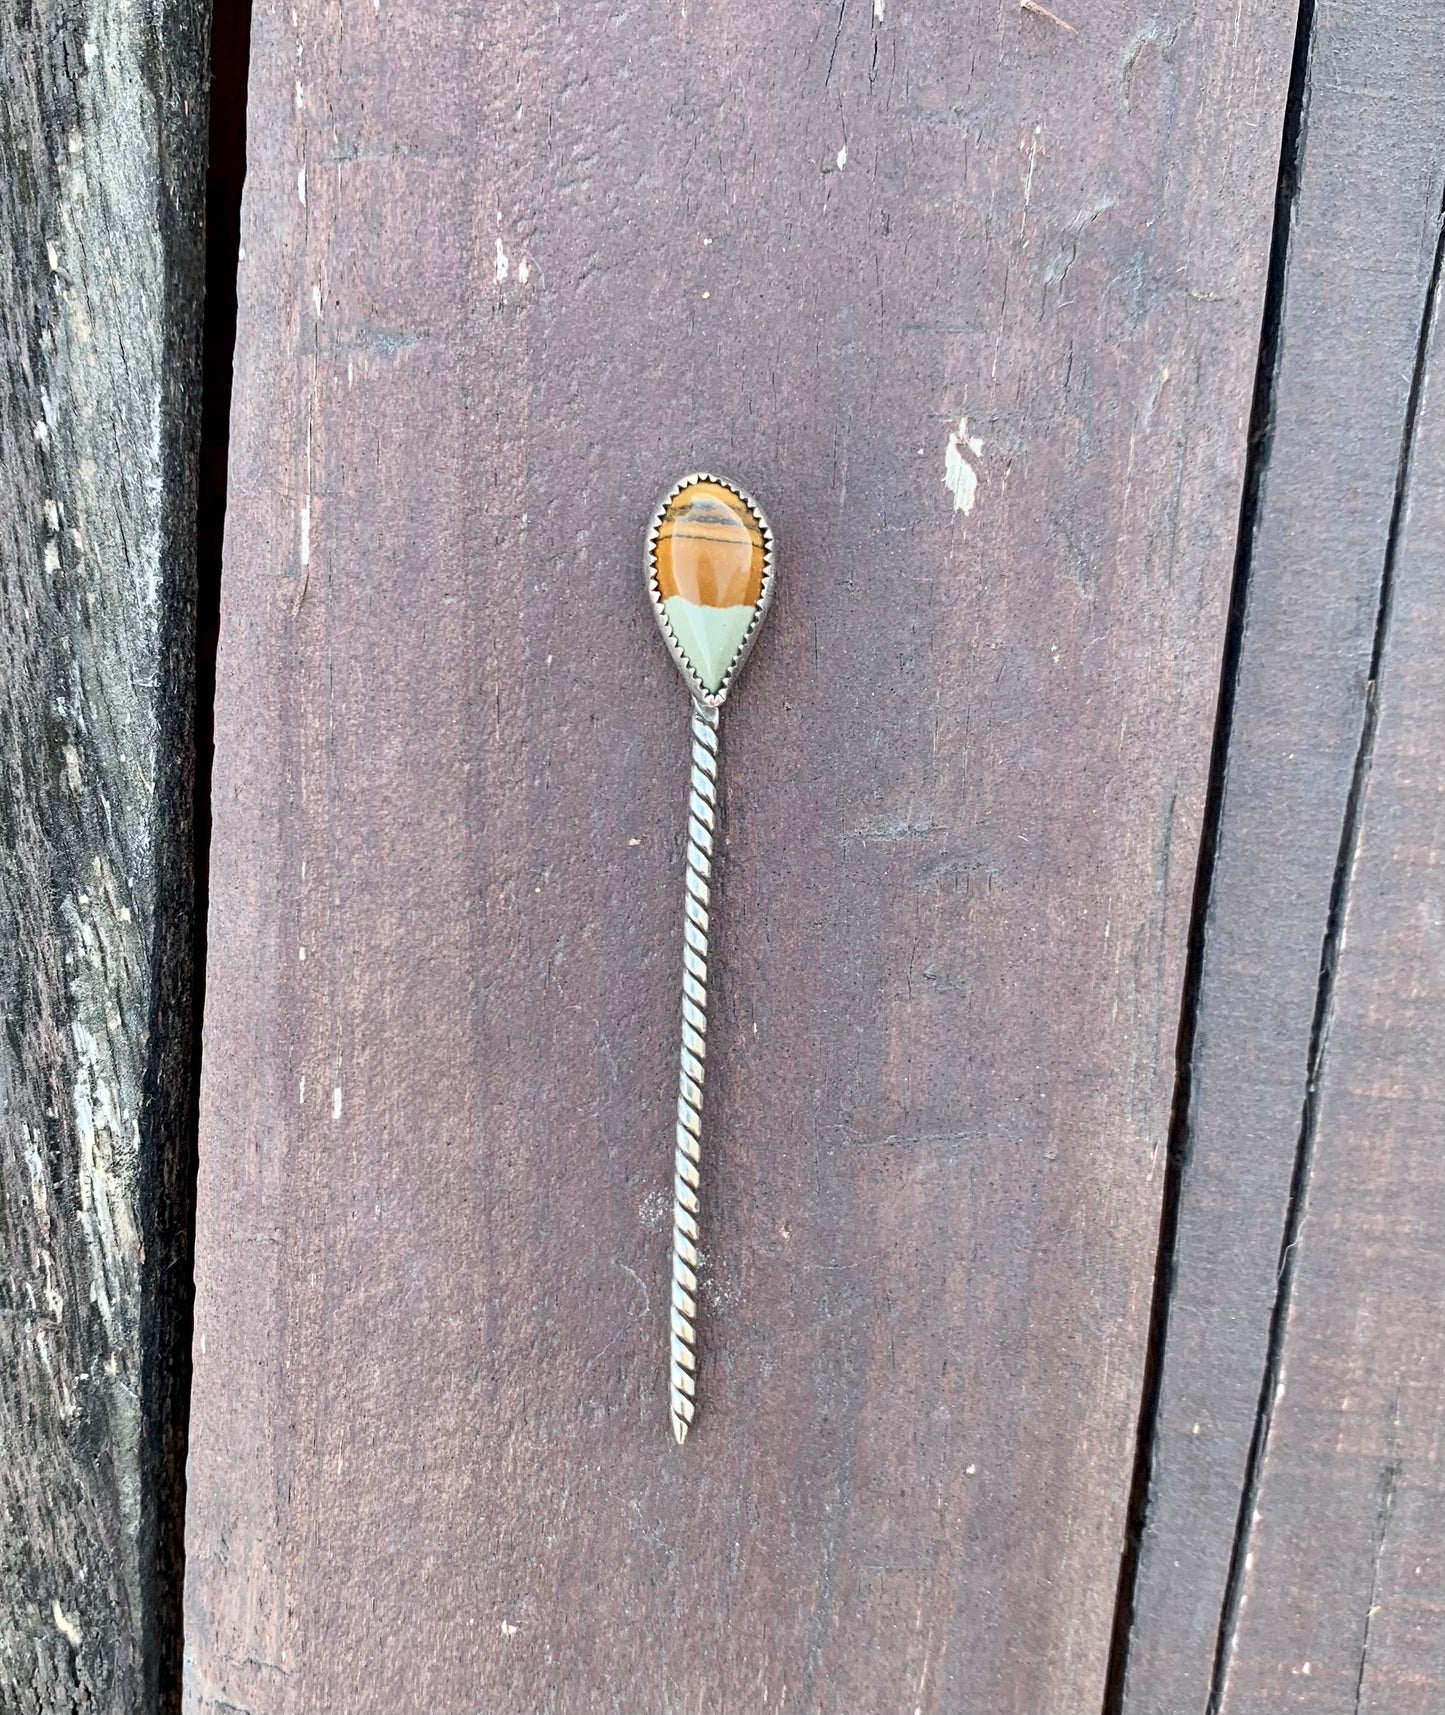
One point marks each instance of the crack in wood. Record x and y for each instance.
(1319, 1043)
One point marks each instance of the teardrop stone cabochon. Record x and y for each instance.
(708, 566)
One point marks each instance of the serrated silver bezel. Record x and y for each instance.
(700, 692)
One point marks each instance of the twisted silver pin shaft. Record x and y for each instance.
(701, 825)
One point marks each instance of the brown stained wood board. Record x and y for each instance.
(1361, 245)
(102, 183)
(1343, 1597)
(970, 302)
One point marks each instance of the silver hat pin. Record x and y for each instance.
(710, 576)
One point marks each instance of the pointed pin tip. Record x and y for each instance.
(679, 1430)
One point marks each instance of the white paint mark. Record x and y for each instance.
(54, 259)
(503, 266)
(316, 301)
(42, 435)
(65, 1625)
(1029, 176)
(336, 1103)
(241, 254)
(842, 157)
(646, 1309)
(1033, 161)
(39, 1185)
(301, 1099)
(509, 1630)
(959, 476)
(306, 505)
(301, 955)
(970, 1470)
(524, 272)
(877, 11)
(301, 187)
(655, 1210)
(340, 1463)
(89, 50)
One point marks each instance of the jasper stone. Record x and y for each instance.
(708, 565)
(710, 548)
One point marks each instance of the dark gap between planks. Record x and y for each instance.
(1261, 428)
(1324, 999)
(225, 175)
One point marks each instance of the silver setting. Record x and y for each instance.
(700, 692)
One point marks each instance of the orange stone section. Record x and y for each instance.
(710, 548)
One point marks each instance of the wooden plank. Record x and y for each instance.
(503, 279)
(1343, 1595)
(1362, 238)
(102, 183)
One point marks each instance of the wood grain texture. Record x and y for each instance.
(102, 170)
(506, 275)
(1361, 246)
(1343, 1599)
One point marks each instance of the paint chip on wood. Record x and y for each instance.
(959, 476)
(65, 1625)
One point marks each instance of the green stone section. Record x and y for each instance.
(710, 636)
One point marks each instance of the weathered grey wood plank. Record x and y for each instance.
(505, 275)
(1361, 245)
(1343, 1595)
(102, 171)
